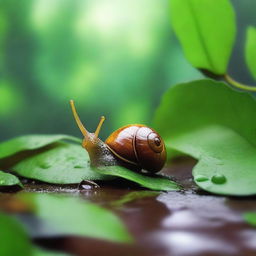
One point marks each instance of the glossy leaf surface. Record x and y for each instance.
(152, 182)
(250, 50)
(206, 30)
(30, 142)
(216, 125)
(71, 215)
(64, 164)
(7, 179)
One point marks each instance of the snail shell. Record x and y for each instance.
(138, 145)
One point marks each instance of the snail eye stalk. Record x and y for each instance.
(102, 119)
(77, 119)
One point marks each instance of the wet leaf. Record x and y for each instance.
(250, 217)
(72, 215)
(64, 164)
(216, 125)
(250, 50)
(30, 142)
(155, 182)
(12, 233)
(206, 31)
(14, 240)
(7, 179)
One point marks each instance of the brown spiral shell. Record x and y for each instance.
(138, 145)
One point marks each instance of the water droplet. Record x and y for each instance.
(201, 178)
(78, 166)
(219, 179)
(87, 185)
(45, 165)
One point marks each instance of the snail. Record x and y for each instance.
(134, 146)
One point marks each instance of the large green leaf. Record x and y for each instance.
(155, 182)
(7, 179)
(30, 142)
(72, 215)
(206, 30)
(64, 164)
(14, 240)
(216, 125)
(250, 50)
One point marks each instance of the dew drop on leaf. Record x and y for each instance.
(79, 166)
(201, 178)
(219, 179)
(45, 165)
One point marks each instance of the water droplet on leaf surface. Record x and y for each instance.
(45, 165)
(219, 179)
(201, 178)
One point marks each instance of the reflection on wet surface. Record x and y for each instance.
(186, 223)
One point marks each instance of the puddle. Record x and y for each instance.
(189, 223)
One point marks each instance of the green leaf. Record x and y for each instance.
(14, 240)
(215, 124)
(154, 183)
(12, 233)
(30, 142)
(64, 164)
(250, 217)
(250, 50)
(206, 30)
(7, 179)
(72, 215)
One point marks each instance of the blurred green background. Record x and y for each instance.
(113, 57)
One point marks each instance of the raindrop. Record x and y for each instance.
(78, 166)
(87, 185)
(219, 179)
(45, 165)
(201, 178)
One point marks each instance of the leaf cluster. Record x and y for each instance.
(58, 159)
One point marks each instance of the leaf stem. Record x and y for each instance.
(238, 85)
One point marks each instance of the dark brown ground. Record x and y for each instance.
(190, 222)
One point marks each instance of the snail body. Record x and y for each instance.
(134, 146)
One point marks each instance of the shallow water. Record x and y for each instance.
(187, 223)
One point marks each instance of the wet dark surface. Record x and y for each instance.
(190, 222)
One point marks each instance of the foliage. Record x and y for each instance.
(206, 30)
(77, 217)
(7, 179)
(218, 130)
(250, 50)
(14, 240)
(64, 163)
(30, 142)
(205, 119)
(155, 182)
